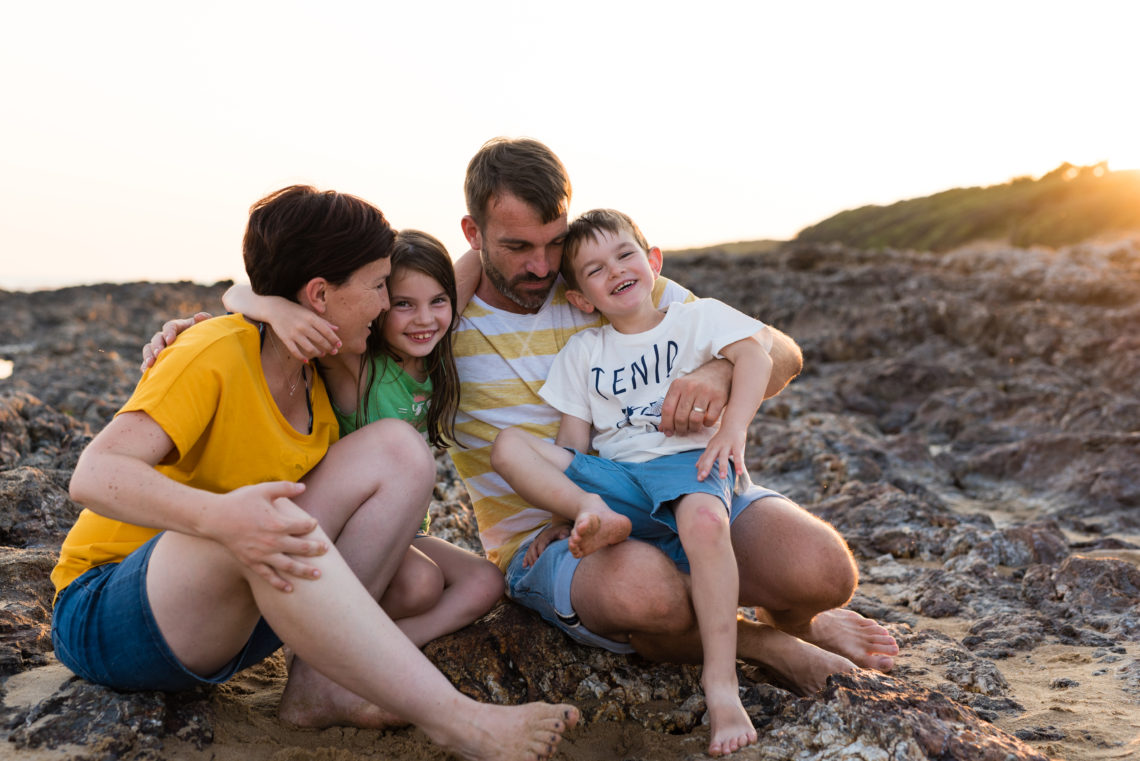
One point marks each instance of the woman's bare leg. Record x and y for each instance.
(369, 494)
(335, 626)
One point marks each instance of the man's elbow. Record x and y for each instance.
(787, 363)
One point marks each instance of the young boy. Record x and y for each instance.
(673, 491)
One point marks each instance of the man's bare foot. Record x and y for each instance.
(528, 732)
(597, 526)
(730, 728)
(802, 666)
(317, 703)
(853, 636)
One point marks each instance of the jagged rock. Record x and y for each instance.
(970, 423)
(37, 510)
(25, 608)
(110, 724)
(507, 658)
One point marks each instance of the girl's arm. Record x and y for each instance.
(259, 524)
(304, 333)
(468, 271)
(751, 371)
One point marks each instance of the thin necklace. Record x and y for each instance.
(281, 361)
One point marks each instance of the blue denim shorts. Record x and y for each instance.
(545, 586)
(545, 589)
(103, 629)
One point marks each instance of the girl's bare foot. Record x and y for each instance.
(529, 732)
(597, 526)
(730, 728)
(863, 641)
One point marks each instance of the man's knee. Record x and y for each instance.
(664, 609)
(650, 595)
(783, 551)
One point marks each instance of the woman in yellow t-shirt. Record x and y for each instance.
(223, 517)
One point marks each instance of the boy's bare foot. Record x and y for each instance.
(529, 732)
(853, 636)
(730, 729)
(597, 526)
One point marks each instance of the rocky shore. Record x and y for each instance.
(969, 421)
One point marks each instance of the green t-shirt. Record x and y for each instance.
(394, 393)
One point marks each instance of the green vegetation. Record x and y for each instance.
(1068, 205)
(739, 248)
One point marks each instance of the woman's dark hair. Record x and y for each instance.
(420, 252)
(299, 233)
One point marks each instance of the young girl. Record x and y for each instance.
(407, 372)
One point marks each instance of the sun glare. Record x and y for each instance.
(1124, 162)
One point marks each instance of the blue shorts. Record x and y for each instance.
(645, 492)
(103, 629)
(545, 586)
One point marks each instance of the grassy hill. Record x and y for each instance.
(737, 248)
(1067, 205)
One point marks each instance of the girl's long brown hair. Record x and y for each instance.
(420, 252)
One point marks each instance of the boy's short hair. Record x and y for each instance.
(591, 225)
(299, 233)
(523, 167)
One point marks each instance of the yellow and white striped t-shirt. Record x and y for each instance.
(503, 360)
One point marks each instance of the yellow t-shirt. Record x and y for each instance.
(208, 393)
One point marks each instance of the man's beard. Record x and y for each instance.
(525, 299)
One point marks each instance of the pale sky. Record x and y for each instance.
(135, 135)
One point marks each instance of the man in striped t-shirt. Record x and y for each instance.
(627, 596)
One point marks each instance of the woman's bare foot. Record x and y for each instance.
(528, 732)
(853, 636)
(314, 702)
(730, 728)
(597, 526)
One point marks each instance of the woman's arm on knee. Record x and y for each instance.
(116, 478)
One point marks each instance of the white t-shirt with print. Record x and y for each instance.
(617, 381)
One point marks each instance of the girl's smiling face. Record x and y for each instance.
(419, 316)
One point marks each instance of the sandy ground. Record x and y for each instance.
(1097, 720)
(1094, 719)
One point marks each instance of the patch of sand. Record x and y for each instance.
(1074, 699)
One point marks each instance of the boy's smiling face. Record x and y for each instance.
(615, 276)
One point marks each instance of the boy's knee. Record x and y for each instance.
(705, 527)
(506, 444)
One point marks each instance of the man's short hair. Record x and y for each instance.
(523, 167)
(591, 225)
